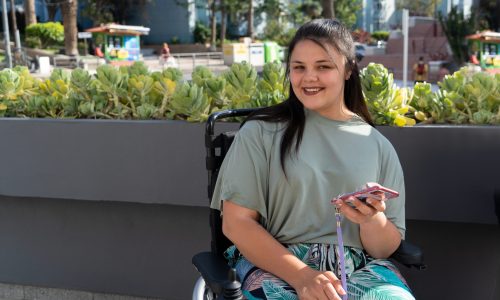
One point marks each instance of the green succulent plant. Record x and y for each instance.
(241, 84)
(384, 99)
(133, 92)
(475, 97)
(273, 88)
(190, 103)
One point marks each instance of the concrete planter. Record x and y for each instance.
(451, 172)
(121, 206)
(158, 162)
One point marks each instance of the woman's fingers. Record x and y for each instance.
(377, 204)
(331, 293)
(359, 212)
(335, 283)
(363, 208)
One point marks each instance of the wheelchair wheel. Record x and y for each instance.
(202, 291)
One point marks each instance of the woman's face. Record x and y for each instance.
(317, 78)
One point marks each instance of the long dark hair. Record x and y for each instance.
(323, 32)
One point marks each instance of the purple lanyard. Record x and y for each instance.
(341, 258)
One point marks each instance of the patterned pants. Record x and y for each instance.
(367, 278)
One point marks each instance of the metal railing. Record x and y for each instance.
(194, 59)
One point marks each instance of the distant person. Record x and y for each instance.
(420, 70)
(98, 52)
(165, 52)
(473, 59)
(443, 71)
(166, 58)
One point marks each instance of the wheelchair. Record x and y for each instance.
(211, 265)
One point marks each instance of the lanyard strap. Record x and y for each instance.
(341, 258)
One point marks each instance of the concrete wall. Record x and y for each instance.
(120, 206)
(102, 246)
(129, 161)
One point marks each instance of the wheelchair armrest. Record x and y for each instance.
(214, 270)
(409, 255)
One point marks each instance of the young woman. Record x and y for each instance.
(286, 164)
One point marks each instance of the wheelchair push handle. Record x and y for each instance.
(232, 288)
(210, 124)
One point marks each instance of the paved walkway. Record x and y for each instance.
(21, 292)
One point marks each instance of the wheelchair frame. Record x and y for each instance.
(211, 265)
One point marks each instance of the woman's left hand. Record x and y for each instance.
(361, 212)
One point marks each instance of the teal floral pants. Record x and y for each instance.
(367, 278)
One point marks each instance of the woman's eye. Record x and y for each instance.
(298, 67)
(324, 67)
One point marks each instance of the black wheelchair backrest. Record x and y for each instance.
(217, 146)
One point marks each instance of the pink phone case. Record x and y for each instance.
(371, 191)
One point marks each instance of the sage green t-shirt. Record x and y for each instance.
(334, 157)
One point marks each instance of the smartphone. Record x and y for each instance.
(371, 190)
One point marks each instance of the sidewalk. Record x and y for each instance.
(185, 64)
(20, 292)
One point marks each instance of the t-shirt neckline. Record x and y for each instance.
(355, 119)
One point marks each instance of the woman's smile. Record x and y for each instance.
(311, 91)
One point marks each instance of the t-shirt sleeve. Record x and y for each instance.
(243, 176)
(391, 176)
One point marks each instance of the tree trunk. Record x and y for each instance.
(250, 19)
(213, 25)
(223, 17)
(13, 17)
(328, 11)
(69, 9)
(29, 12)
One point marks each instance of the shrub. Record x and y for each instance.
(201, 33)
(45, 34)
(380, 35)
(277, 32)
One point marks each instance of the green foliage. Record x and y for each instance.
(241, 84)
(16, 86)
(346, 11)
(456, 26)
(99, 12)
(278, 32)
(383, 98)
(429, 107)
(475, 97)
(419, 8)
(272, 87)
(380, 35)
(213, 87)
(201, 33)
(464, 97)
(45, 34)
(189, 102)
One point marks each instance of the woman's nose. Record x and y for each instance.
(310, 75)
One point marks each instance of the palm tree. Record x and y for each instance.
(29, 9)
(213, 26)
(13, 17)
(250, 19)
(223, 16)
(328, 11)
(69, 10)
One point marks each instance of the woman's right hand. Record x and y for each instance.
(318, 285)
